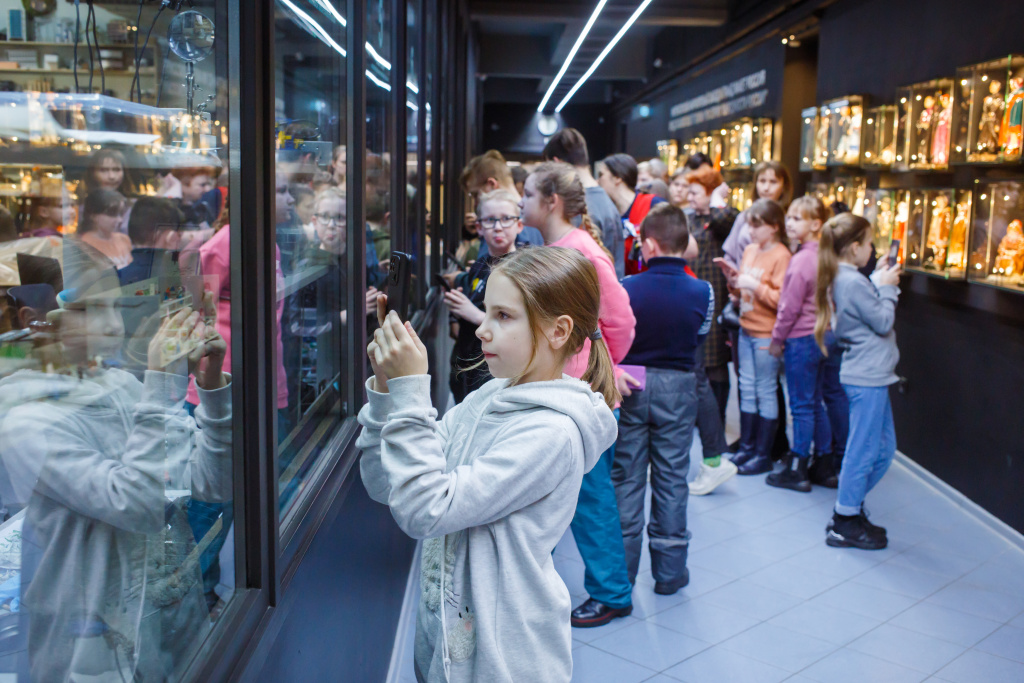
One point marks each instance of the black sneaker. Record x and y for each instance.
(851, 532)
(792, 475)
(873, 528)
(593, 613)
(823, 471)
(670, 587)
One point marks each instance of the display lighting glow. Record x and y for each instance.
(330, 9)
(412, 86)
(377, 58)
(411, 105)
(572, 53)
(313, 27)
(604, 53)
(377, 81)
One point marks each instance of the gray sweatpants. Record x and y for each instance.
(656, 429)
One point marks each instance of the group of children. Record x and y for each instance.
(494, 484)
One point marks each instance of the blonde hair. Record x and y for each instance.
(506, 196)
(556, 281)
(837, 234)
(330, 192)
(555, 177)
(811, 208)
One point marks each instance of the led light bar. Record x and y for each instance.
(572, 53)
(313, 27)
(326, 6)
(376, 56)
(377, 81)
(604, 53)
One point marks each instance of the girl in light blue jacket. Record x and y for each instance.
(492, 486)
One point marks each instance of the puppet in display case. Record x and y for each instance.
(845, 131)
(879, 209)
(983, 132)
(739, 144)
(1011, 132)
(668, 151)
(763, 129)
(821, 138)
(850, 192)
(937, 231)
(808, 135)
(997, 240)
(956, 253)
(741, 195)
(826, 192)
(924, 129)
(879, 137)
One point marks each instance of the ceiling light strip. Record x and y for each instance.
(326, 6)
(572, 53)
(313, 27)
(376, 56)
(604, 53)
(377, 81)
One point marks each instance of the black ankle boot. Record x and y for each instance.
(793, 476)
(823, 471)
(851, 532)
(748, 438)
(762, 460)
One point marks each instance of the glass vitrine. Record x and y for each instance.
(741, 195)
(987, 118)
(997, 240)
(879, 208)
(764, 129)
(808, 133)
(850, 191)
(668, 151)
(937, 231)
(879, 137)
(846, 118)
(925, 125)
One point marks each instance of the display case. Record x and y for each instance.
(997, 239)
(668, 150)
(924, 129)
(879, 209)
(714, 142)
(846, 118)
(879, 137)
(987, 118)
(764, 130)
(826, 192)
(901, 221)
(808, 135)
(937, 230)
(738, 144)
(850, 190)
(741, 195)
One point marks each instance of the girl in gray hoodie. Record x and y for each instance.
(492, 486)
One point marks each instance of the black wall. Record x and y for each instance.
(512, 129)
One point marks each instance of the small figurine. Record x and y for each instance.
(1010, 133)
(1010, 255)
(925, 121)
(746, 141)
(958, 237)
(938, 231)
(991, 119)
(821, 142)
(902, 217)
(940, 135)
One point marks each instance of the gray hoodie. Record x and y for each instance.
(492, 488)
(863, 324)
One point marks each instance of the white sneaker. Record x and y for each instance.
(709, 478)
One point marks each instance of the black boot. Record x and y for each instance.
(793, 476)
(748, 438)
(762, 460)
(780, 444)
(823, 471)
(851, 532)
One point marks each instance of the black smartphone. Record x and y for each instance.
(451, 257)
(894, 253)
(399, 274)
(441, 282)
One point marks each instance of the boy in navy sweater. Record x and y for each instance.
(673, 313)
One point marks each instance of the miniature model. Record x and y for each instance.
(1010, 256)
(991, 119)
(958, 237)
(1010, 132)
(925, 121)
(821, 143)
(940, 136)
(938, 232)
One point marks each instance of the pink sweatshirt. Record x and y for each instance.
(797, 309)
(616, 320)
(215, 257)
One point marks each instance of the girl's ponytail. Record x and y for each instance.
(828, 266)
(600, 374)
(594, 231)
(553, 177)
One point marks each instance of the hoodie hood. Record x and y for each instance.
(569, 396)
(27, 386)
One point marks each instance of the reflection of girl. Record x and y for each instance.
(107, 171)
(102, 215)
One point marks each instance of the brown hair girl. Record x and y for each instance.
(811, 208)
(837, 235)
(780, 171)
(767, 212)
(554, 177)
(557, 281)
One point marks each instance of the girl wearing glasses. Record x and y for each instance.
(498, 222)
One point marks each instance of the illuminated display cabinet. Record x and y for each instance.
(938, 223)
(997, 239)
(846, 120)
(879, 137)
(808, 136)
(924, 129)
(987, 121)
(668, 151)
(879, 209)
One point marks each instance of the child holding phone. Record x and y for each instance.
(757, 285)
(498, 222)
(492, 487)
(865, 313)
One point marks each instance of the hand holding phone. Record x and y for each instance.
(727, 268)
(399, 273)
(894, 253)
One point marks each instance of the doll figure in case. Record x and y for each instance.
(1010, 133)
(991, 119)
(938, 232)
(821, 141)
(925, 122)
(940, 136)
(957, 247)
(1010, 255)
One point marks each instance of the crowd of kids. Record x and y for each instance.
(582, 366)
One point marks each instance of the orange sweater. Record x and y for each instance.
(758, 307)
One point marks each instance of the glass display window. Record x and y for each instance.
(822, 149)
(739, 144)
(808, 135)
(714, 146)
(925, 124)
(879, 209)
(846, 118)
(997, 239)
(850, 191)
(937, 231)
(741, 195)
(763, 149)
(987, 118)
(901, 222)
(668, 151)
(824, 191)
(879, 137)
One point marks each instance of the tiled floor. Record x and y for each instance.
(768, 601)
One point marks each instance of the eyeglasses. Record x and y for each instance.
(505, 222)
(328, 218)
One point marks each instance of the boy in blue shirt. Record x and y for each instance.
(673, 313)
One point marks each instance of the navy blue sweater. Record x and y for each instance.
(673, 313)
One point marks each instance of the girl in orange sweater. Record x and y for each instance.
(756, 286)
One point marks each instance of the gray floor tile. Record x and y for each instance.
(779, 646)
(1007, 642)
(751, 599)
(935, 560)
(843, 563)
(661, 678)
(850, 666)
(1003, 574)
(794, 578)
(701, 581)
(828, 623)
(770, 545)
(587, 635)
(571, 571)
(1018, 621)
(915, 583)
(718, 664)
(865, 600)
(704, 621)
(907, 648)
(650, 645)
(944, 623)
(729, 561)
(978, 601)
(647, 603)
(975, 667)
(590, 665)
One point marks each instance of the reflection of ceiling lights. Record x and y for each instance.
(326, 6)
(547, 125)
(377, 58)
(411, 105)
(572, 53)
(313, 27)
(377, 81)
(604, 53)
(412, 86)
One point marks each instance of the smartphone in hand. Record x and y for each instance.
(399, 274)
(894, 253)
(441, 282)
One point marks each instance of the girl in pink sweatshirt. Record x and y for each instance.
(553, 197)
(812, 378)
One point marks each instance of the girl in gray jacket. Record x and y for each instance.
(863, 319)
(492, 486)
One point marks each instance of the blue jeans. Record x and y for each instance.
(759, 377)
(837, 405)
(870, 448)
(805, 376)
(598, 533)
